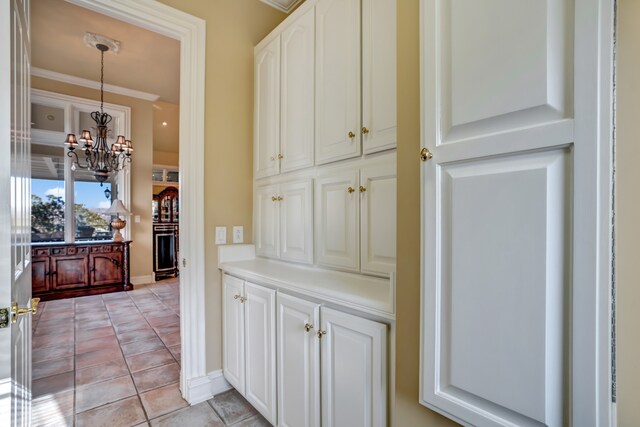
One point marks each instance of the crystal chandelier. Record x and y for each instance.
(99, 158)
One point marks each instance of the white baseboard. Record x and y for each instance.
(142, 280)
(204, 388)
(218, 383)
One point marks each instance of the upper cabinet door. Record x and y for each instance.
(378, 75)
(296, 121)
(296, 221)
(378, 219)
(337, 233)
(266, 221)
(267, 110)
(298, 362)
(354, 370)
(337, 80)
(260, 340)
(233, 332)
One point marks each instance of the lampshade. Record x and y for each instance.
(117, 207)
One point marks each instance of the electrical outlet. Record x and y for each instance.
(238, 234)
(136, 219)
(221, 235)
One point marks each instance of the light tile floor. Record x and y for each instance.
(114, 360)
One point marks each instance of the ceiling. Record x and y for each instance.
(147, 61)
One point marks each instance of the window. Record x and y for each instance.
(165, 174)
(90, 203)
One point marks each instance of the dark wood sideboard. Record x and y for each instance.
(66, 270)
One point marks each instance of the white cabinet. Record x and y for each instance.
(298, 321)
(337, 80)
(352, 374)
(354, 370)
(297, 93)
(249, 339)
(345, 35)
(356, 219)
(283, 215)
(266, 119)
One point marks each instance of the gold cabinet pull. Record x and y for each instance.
(350, 190)
(280, 198)
(242, 299)
(236, 296)
(362, 189)
(274, 198)
(308, 327)
(425, 154)
(320, 333)
(21, 311)
(365, 130)
(351, 135)
(280, 157)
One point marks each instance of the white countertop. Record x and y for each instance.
(369, 294)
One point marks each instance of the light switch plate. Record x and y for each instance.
(136, 218)
(221, 235)
(238, 234)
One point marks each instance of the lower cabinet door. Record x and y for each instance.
(296, 221)
(106, 269)
(260, 349)
(39, 275)
(68, 272)
(354, 370)
(298, 362)
(233, 332)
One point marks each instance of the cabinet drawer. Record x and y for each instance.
(58, 251)
(40, 252)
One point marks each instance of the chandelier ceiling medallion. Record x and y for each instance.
(100, 158)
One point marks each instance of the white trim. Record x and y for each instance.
(143, 280)
(199, 390)
(219, 384)
(191, 32)
(92, 84)
(281, 8)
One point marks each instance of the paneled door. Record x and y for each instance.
(260, 342)
(297, 89)
(266, 218)
(337, 234)
(337, 80)
(515, 321)
(15, 239)
(267, 111)
(233, 355)
(354, 370)
(298, 362)
(296, 221)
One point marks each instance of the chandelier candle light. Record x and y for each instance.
(99, 158)
(117, 208)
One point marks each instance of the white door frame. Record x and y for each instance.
(191, 32)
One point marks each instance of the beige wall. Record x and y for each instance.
(165, 158)
(234, 27)
(408, 411)
(142, 137)
(628, 213)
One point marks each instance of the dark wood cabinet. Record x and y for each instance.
(165, 206)
(72, 270)
(166, 214)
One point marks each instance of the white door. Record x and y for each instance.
(378, 219)
(266, 120)
(354, 370)
(266, 216)
(297, 68)
(296, 221)
(298, 362)
(337, 80)
(233, 355)
(337, 232)
(260, 356)
(15, 211)
(378, 75)
(510, 213)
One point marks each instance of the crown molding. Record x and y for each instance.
(285, 6)
(78, 81)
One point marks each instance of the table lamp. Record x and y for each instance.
(118, 223)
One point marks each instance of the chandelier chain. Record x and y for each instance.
(101, 81)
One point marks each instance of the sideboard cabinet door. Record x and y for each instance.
(106, 269)
(69, 272)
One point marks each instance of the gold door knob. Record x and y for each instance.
(362, 189)
(350, 190)
(308, 327)
(351, 135)
(425, 154)
(280, 157)
(21, 311)
(320, 333)
(365, 131)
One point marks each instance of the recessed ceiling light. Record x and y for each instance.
(51, 117)
(164, 123)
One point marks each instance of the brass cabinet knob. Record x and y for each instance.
(274, 198)
(350, 190)
(280, 157)
(351, 135)
(362, 189)
(308, 327)
(365, 130)
(280, 198)
(320, 333)
(236, 296)
(242, 299)
(425, 154)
